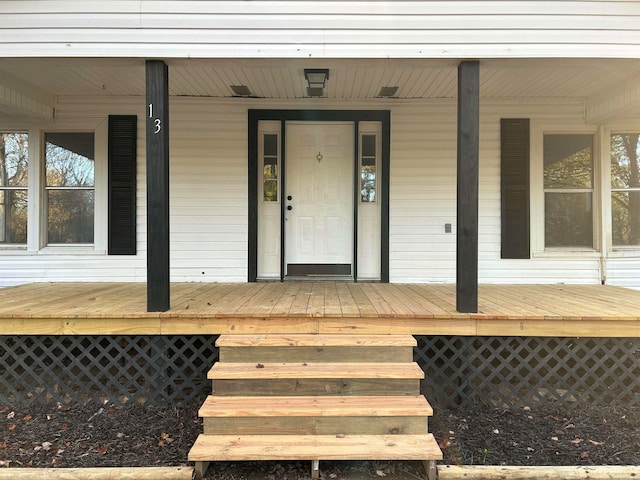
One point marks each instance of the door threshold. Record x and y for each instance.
(318, 278)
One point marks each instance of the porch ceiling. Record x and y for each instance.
(349, 79)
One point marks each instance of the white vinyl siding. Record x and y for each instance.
(351, 29)
(209, 207)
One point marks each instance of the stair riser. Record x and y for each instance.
(315, 425)
(293, 354)
(316, 386)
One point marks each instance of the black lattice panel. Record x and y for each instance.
(501, 371)
(517, 371)
(155, 369)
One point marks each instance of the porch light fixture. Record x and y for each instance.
(241, 90)
(386, 92)
(316, 80)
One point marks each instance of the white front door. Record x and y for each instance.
(319, 199)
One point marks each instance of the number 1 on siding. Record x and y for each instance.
(150, 110)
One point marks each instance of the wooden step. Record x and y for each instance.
(316, 348)
(320, 415)
(260, 371)
(314, 447)
(309, 379)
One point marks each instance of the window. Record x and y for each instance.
(270, 167)
(568, 190)
(69, 188)
(14, 153)
(625, 189)
(368, 168)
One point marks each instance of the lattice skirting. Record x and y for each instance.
(500, 371)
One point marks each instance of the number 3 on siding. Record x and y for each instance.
(157, 122)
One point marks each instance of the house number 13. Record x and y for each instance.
(156, 122)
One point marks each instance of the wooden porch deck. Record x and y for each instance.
(319, 307)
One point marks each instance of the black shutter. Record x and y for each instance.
(123, 133)
(514, 187)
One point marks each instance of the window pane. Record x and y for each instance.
(568, 220)
(271, 145)
(13, 216)
(568, 161)
(625, 216)
(368, 145)
(70, 216)
(14, 154)
(69, 159)
(270, 167)
(625, 161)
(368, 190)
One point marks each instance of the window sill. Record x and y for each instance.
(70, 250)
(624, 252)
(567, 253)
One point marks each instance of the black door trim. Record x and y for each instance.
(254, 116)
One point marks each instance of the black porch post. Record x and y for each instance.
(468, 148)
(157, 113)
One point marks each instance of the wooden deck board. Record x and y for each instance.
(320, 308)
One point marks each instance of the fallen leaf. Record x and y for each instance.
(3, 445)
(340, 435)
(495, 431)
(380, 473)
(180, 426)
(445, 444)
(5, 409)
(26, 418)
(597, 444)
(4, 464)
(576, 441)
(11, 427)
(161, 443)
(102, 450)
(530, 449)
(164, 435)
(11, 415)
(64, 426)
(46, 446)
(584, 455)
(259, 365)
(555, 439)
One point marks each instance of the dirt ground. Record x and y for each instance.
(50, 435)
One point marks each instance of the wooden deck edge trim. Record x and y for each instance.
(315, 406)
(591, 472)
(602, 327)
(316, 340)
(98, 473)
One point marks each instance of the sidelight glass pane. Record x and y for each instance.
(70, 216)
(368, 169)
(270, 167)
(568, 220)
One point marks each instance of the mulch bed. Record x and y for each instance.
(91, 435)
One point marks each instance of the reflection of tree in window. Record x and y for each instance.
(270, 168)
(14, 153)
(368, 169)
(69, 159)
(625, 188)
(568, 187)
